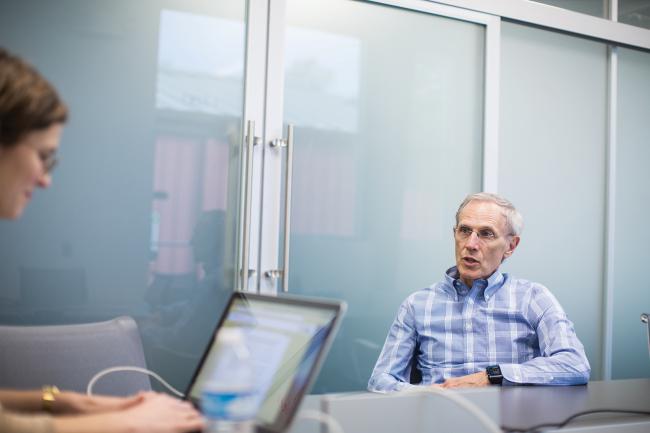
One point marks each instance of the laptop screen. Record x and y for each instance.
(287, 338)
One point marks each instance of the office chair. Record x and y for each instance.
(415, 375)
(68, 356)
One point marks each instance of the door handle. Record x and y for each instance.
(245, 213)
(288, 144)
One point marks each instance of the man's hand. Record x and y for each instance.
(475, 380)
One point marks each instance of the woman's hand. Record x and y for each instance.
(68, 402)
(152, 413)
(160, 413)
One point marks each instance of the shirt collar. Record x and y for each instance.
(455, 285)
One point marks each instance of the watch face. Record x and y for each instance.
(494, 374)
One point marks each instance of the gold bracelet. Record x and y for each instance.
(49, 397)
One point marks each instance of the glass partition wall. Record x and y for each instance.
(141, 218)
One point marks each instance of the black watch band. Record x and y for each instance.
(494, 374)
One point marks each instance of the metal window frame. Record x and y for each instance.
(610, 214)
(254, 91)
(610, 200)
(530, 12)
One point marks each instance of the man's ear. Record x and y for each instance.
(512, 245)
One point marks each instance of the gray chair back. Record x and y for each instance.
(68, 356)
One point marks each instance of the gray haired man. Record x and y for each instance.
(479, 326)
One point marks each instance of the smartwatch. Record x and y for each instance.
(494, 374)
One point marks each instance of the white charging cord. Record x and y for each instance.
(461, 401)
(95, 378)
(332, 424)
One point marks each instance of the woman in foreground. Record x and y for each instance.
(31, 121)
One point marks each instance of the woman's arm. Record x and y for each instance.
(65, 402)
(21, 401)
(152, 413)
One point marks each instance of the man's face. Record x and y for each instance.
(482, 241)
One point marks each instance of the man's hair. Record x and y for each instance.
(28, 102)
(514, 220)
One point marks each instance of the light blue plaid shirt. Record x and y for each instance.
(503, 320)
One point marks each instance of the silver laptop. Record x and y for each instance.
(288, 338)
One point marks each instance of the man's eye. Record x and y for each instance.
(466, 230)
(487, 234)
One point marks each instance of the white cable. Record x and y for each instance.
(461, 401)
(89, 389)
(332, 424)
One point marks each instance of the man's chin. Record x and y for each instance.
(465, 269)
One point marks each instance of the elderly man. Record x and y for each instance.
(479, 326)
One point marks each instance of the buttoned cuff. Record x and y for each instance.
(512, 374)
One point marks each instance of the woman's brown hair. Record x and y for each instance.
(28, 102)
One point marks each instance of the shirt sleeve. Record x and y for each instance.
(17, 423)
(562, 359)
(392, 370)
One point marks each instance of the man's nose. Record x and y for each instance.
(472, 241)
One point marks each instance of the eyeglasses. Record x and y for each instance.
(464, 232)
(49, 161)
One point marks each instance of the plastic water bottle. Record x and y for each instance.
(228, 399)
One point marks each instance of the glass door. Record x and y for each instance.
(387, 110)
